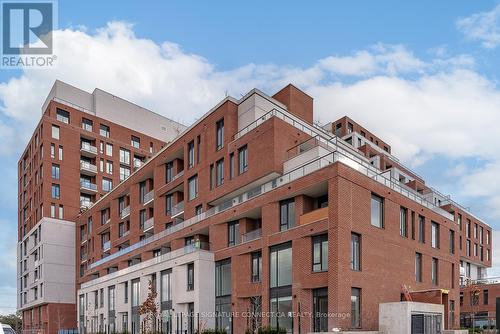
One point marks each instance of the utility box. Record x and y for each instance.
(411, 318)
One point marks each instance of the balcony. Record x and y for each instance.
(84, 204)
(87, 168)
(177, 210)
(88, 150)
(106, 246)
(313, 216)
(123, 234)
(125, 212)
(252, 235)
(178, 175)
(88, 187)
(83, 257)
(138, 163)
(148, 198)
(148, 224)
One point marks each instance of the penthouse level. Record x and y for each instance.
(294, 216)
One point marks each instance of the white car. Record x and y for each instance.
(6, 329)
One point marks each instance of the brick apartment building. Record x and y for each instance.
(83, 146)
(478, 303)
(255, 208)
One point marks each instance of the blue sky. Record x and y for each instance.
(421, 74)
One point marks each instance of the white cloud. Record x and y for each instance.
(483, 27)
(424, 108)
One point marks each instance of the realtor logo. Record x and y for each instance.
(27, 31)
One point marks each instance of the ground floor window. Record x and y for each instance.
(166, 321)
(223, 318)
(320, 310)
(356, 308)
(281, 309)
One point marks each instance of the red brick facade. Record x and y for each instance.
(387, 257)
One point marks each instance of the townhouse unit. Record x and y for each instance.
(480, 303)
(255, 216)
(84, 145)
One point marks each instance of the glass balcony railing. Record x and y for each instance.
(177, 209)
(87, 166)
(148, 224)
(106, 246)
(125, 212)
(252, 235)
(87, 147)
(88, 185)
(85, 204)
(148, 197)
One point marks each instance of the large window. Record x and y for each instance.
(320, 252)
(281, 308)
(223, 294)
(124, 156)
(142, 191)
(169, 171)
(124, 172)
(190, 276)
(434, 272)
(377, 214)
(166, 286)
(418, 267)
(219, 171)
(421, 229)
(193, 187)
(233, 233)
(243, 159)
(280, 258)
(435, 235)
(355, 251)
(168, 204)
(190, 154)
(107, 184)
(55, 132)
(355, 307)
(219, 134)
(87, 124)
(256, 266)
(320, 310)
(111, 298)
(62, 115)
(56, 191)
(287, 214)
(104, 130)
(135, 141)
(136, 292)
(55, 171)
(403, 222)
(452, 242)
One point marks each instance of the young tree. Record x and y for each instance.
(149, 309)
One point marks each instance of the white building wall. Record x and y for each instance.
(202, 296)
(55, 245)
